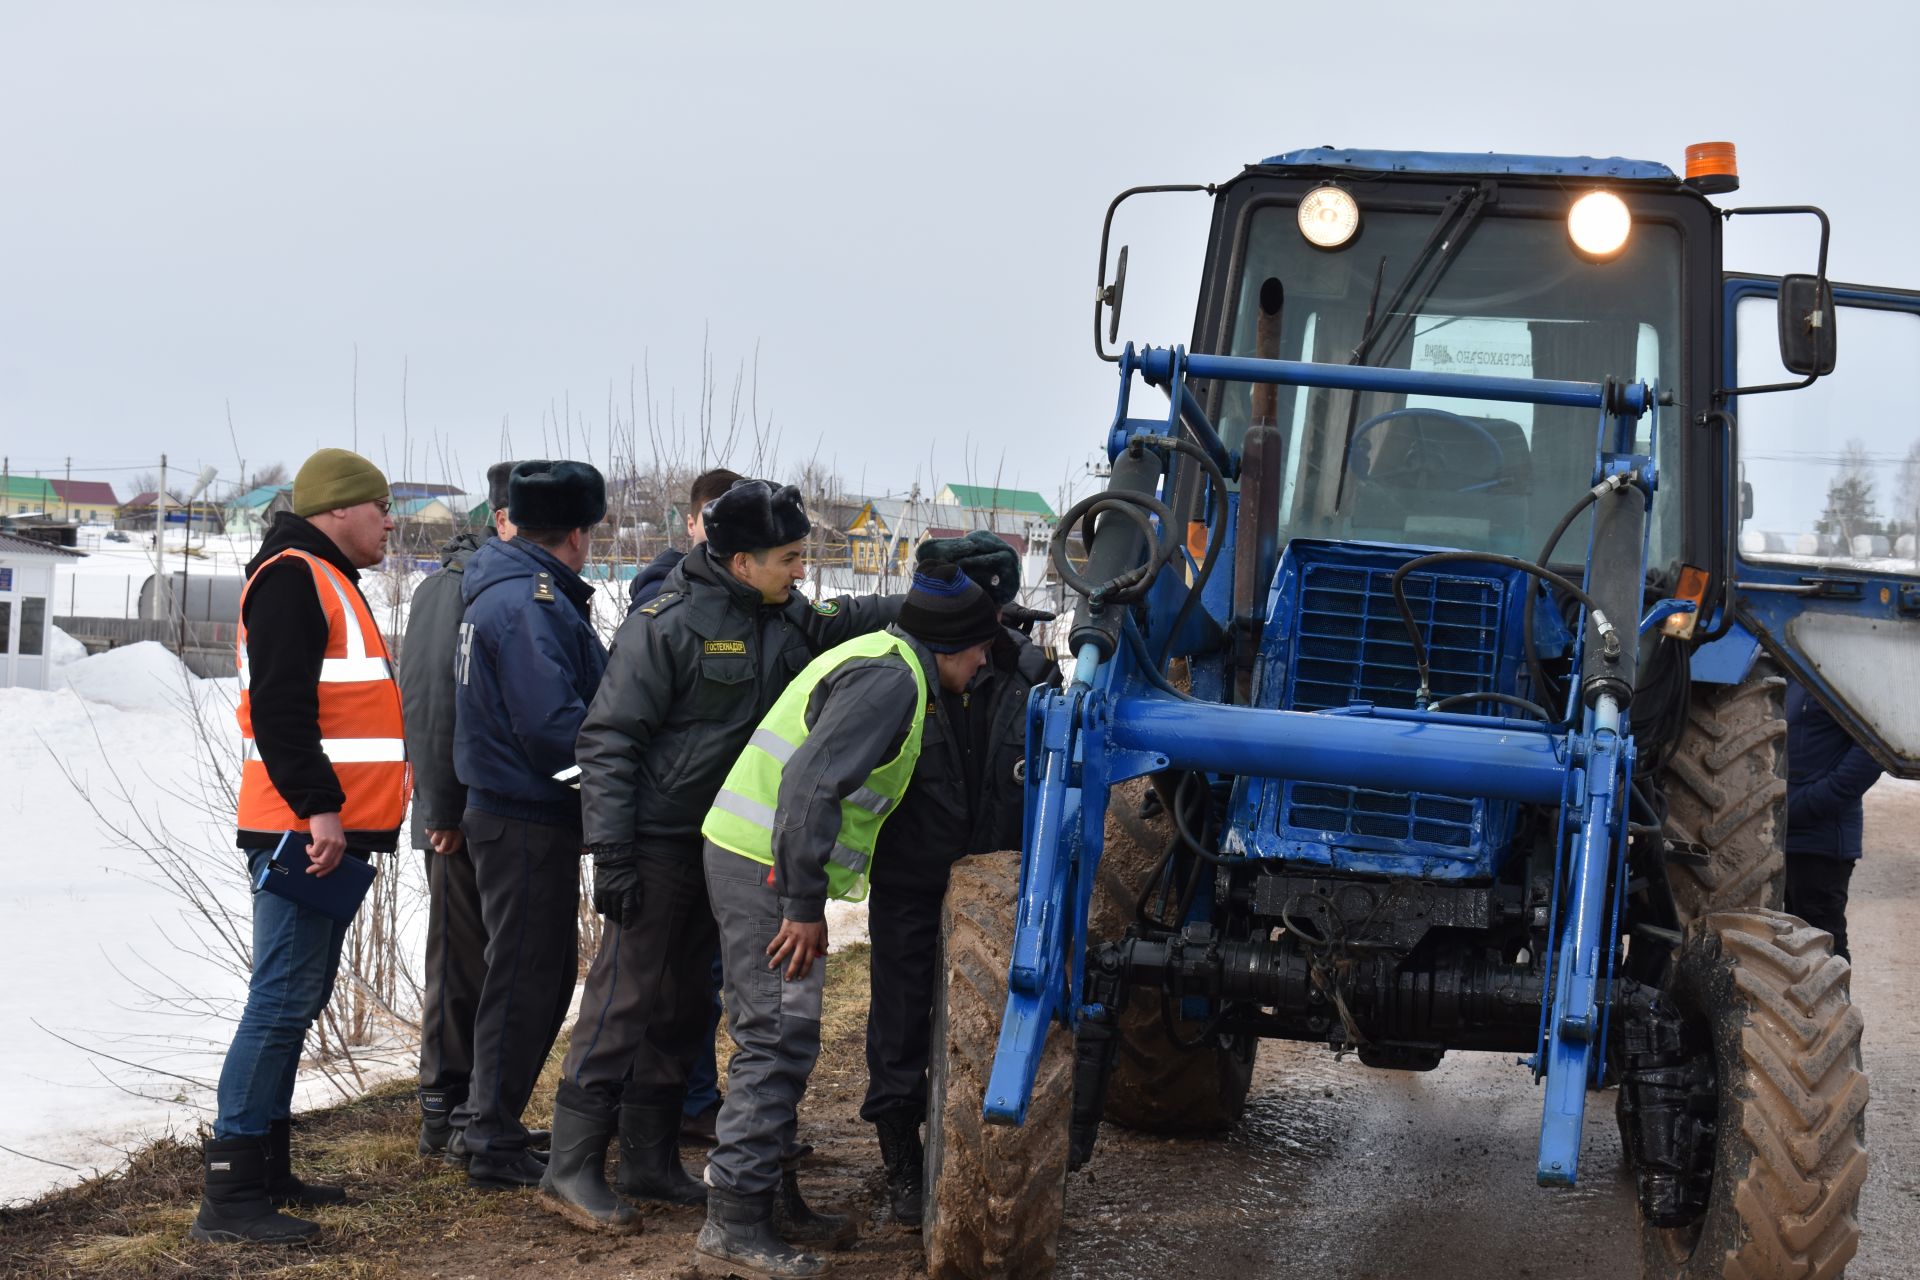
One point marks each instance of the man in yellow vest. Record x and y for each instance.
(794, 824)
(323, 752)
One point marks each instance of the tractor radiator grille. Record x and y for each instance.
(1350, 645)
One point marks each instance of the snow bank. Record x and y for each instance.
(135, 677)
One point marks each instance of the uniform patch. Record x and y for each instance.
(543, 587)
(665, 600)
(726, 646)
(827, 607)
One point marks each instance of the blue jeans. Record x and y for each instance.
(296, 952)
(703, 1076)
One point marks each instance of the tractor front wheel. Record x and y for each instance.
(995, 1194)
(1764, 995)
(1726, 790)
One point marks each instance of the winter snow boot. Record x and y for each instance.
(799, 1224)
(436, 1119)
(283, 1188)
(900, 1149)
(234, 1207)
(738, 1239)
(650, 1156)
(538, 1140)
(575, 1185)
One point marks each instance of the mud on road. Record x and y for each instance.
(1336, 1171)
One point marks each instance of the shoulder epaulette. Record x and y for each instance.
(543, 587)
(660, 603)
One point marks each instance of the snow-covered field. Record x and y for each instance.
(115, 1018)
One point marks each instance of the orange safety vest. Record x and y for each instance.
(360, 725)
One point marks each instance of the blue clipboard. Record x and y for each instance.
(337, 894)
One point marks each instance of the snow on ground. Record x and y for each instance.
(115, 1019)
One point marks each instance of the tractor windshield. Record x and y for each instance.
(1513, 299)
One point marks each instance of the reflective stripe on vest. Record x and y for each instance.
(359, 721)
(743, 814)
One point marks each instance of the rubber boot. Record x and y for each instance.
(904, 1157)
(286, 1190)
(739, 1240)
(799, 1224)
(436, 1119)
(234, 1206)
(575, 1185)
(650, 1166)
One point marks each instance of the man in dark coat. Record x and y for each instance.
(690, 675)
(528, 664)
(967, 796)
(707, 486)
(702, 1105)
(1828, 773)
(456, 959)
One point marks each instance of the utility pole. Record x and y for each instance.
(6, 483)
(66, 495)
(159, 547)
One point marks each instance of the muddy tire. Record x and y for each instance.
(1790, 1148)
(995, 1194)
(1726, 790)
(1157, 1086)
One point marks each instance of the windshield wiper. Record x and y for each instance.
(1451, 230)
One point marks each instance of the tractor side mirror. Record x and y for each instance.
(1746, 501)
(1111, 296)
(1807, 339)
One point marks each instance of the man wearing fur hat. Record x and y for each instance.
(967, 797)
(456, 956)
(797, 822)
(322, 752)
(527, 666)
(690, 675)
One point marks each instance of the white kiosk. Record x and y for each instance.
(27, 571)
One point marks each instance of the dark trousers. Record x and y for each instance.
(456, 968)
(529, 879)
(775, 1023)
(703, 1072)
(1817, 893)
(648, 994)
(903, 924)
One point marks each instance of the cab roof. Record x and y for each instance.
(1472, 162)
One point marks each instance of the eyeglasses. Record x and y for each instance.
(385, 505)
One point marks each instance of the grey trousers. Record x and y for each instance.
(775, 1023)
(529, 878)
(644, 1011)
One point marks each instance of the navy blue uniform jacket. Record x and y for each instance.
(1827, 774)
(527, 665)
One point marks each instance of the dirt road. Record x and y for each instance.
(1341, 1171)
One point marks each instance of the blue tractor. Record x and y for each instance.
(1427, 696)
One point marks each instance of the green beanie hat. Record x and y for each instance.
(982, 556)
(335, 478)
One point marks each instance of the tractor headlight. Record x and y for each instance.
(1599, 223)
(1328, 217)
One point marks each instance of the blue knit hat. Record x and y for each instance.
(947, 611)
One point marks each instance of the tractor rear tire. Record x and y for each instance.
(1157, 1086)
(1726, 790)
(1790, 1149)
(996, 1194)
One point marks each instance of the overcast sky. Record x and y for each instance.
(211, 205)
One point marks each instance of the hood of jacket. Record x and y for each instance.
(500, 561)
(455, 550)
(293, 533)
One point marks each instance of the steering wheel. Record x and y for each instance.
(1432, 461)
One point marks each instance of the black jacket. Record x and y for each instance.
(528, 664)
(690, 676)
(426, 688)
(286, 641)
(652, 577)
(1827, 775)
(950, 809)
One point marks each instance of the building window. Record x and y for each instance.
(33, 626)
(6, 626)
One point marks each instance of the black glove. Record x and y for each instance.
(616, 882)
